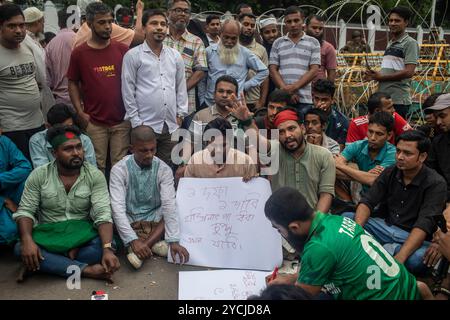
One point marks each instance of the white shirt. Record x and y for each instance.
(118, 191)
(154, 88)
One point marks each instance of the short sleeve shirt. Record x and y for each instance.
(295, 59)
(398, 54)
(253, 95)
(328, 60)
(340, 256)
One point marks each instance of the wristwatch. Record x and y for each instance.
(108, 246)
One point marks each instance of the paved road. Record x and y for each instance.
(157, 279)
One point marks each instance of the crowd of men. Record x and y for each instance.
(87, 161)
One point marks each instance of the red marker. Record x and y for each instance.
(274, 274)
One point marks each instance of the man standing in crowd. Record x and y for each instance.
(41, 150)
(295, 60)
(356, 45)
(34, 22)
(14, 170)
(57, 59)
(143, 202)
(255, 97)
(411, 194)
(94, 79)
(323, 98)
(243, 8)
(315, 27)
(399, 62)
(188, 45)
(20, 107)
(212, 28)
(64, 216)
(157, 71)
(228, 57)
(378, 102)
(269, 33)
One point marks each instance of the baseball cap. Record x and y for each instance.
(32, 14)
(441, 103)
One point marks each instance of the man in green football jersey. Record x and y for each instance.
(338, 256)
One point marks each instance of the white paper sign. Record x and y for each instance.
(222, 224)
(220, 284)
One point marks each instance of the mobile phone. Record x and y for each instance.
(441, 222)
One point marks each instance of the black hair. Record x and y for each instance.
(429, 102)
(94, 8)
(279, 95)
(63, 16)
(384, 119)
(142, 133)
(282, 292)
(314, 16)
(9, 10)
(220, 124)
(122, 13)
(243, 15)
(423, 142)
(320, 113)
(151, 13)
(60, 129)
(241, 6)
(374, 101)
(293, 10)
(287, 205)
(212, 17)
(59, 113)
(324, 86)
(229, 79)
(403, 12)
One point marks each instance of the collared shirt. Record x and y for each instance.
(295, 59)
(41, 149)
(45, 199)
(119, 182)
(358, 152)
(193, 52)
(328, 60)
(439, 158)
(14, 170)
(211, 40)
(57, 59)
(408, 206)
(246, 60)
(337, 126)
(330, 144)
(398, 54)
(252, 96)
(237, 164)
(358, 127)
(313, 173)
(154, 88)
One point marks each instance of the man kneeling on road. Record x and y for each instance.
(143, 201)
(64, 216)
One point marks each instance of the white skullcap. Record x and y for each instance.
(266, 22)
(32, 14)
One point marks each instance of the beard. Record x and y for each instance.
(296, 241)
(246, 39)
(299, 144)
(228, 56)
(74, 163)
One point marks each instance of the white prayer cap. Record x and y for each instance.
(32, 14)
(264, 23)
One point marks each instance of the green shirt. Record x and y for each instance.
(358, 152)
(313, 173)
(397, 55)
(45, 199)
(340, 256)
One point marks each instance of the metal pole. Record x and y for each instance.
(433, 12)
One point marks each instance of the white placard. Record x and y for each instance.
(220, 284)
(222, 224)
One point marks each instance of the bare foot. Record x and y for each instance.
(97, 271)
(73, 253)
(22, 274)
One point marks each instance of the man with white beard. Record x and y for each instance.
(228, 57)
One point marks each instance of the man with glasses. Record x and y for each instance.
(188, 45)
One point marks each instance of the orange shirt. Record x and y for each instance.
(118, 34)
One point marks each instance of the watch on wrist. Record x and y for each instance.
(108, 246)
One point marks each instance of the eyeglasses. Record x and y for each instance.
(180, 11)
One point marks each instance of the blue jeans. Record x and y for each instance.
(392, 238)
(57, 264)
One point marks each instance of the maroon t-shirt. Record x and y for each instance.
(99, 71)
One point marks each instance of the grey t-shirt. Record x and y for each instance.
(20, 107)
